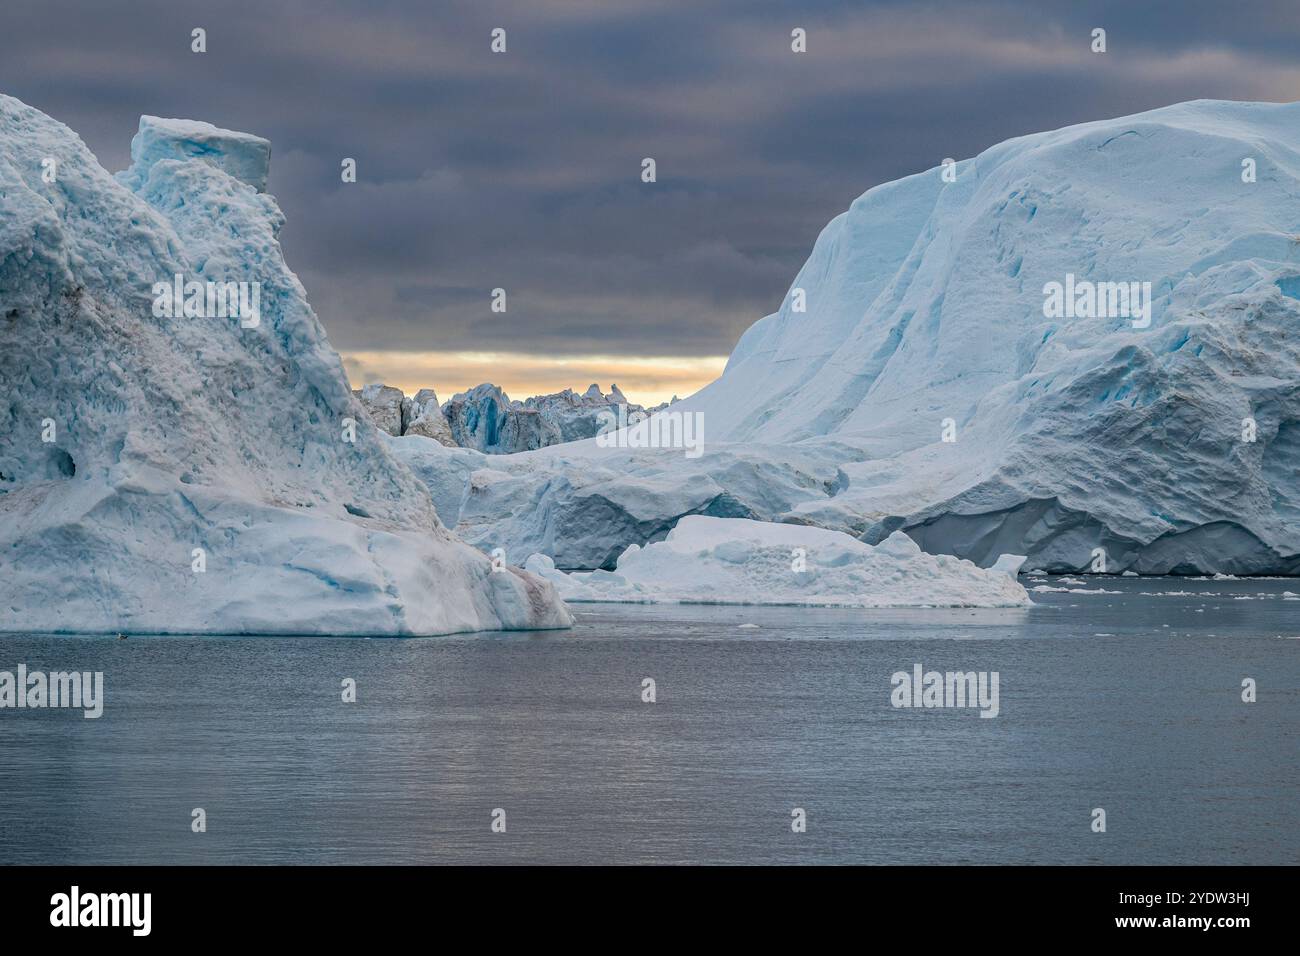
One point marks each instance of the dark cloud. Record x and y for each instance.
(522, 171)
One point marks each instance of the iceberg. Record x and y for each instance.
(1167, 442)
(422, 415)
(737, 561)
(485, 418)
(925, 376)
(583, 505)
(166, 471)
(586, 415)
(386, 406)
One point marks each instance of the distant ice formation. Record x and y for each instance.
(485, 418)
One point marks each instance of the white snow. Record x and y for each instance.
(737, 561)
(135, 449)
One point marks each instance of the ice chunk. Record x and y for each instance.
(737, 561)
(242, 155)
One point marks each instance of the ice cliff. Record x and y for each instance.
(486, 420)
(916, 378)
(178, 472)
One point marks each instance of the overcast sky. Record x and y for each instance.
(522, 170)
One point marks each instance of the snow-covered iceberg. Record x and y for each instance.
(1169, 440)
(736, 561)
(167, 469)
(918, 378)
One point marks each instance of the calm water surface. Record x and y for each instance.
(1127, 701)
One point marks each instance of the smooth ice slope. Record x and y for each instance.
(735, 561)
(925, 304)
(179, 443)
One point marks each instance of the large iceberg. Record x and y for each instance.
(736, 561)
(1170, 441)
(922, 376)
(166, 469)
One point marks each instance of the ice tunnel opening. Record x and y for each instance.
(61, 464)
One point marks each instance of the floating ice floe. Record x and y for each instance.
(737, 561)
(1048, 589)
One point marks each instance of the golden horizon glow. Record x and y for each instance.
(645, 380)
